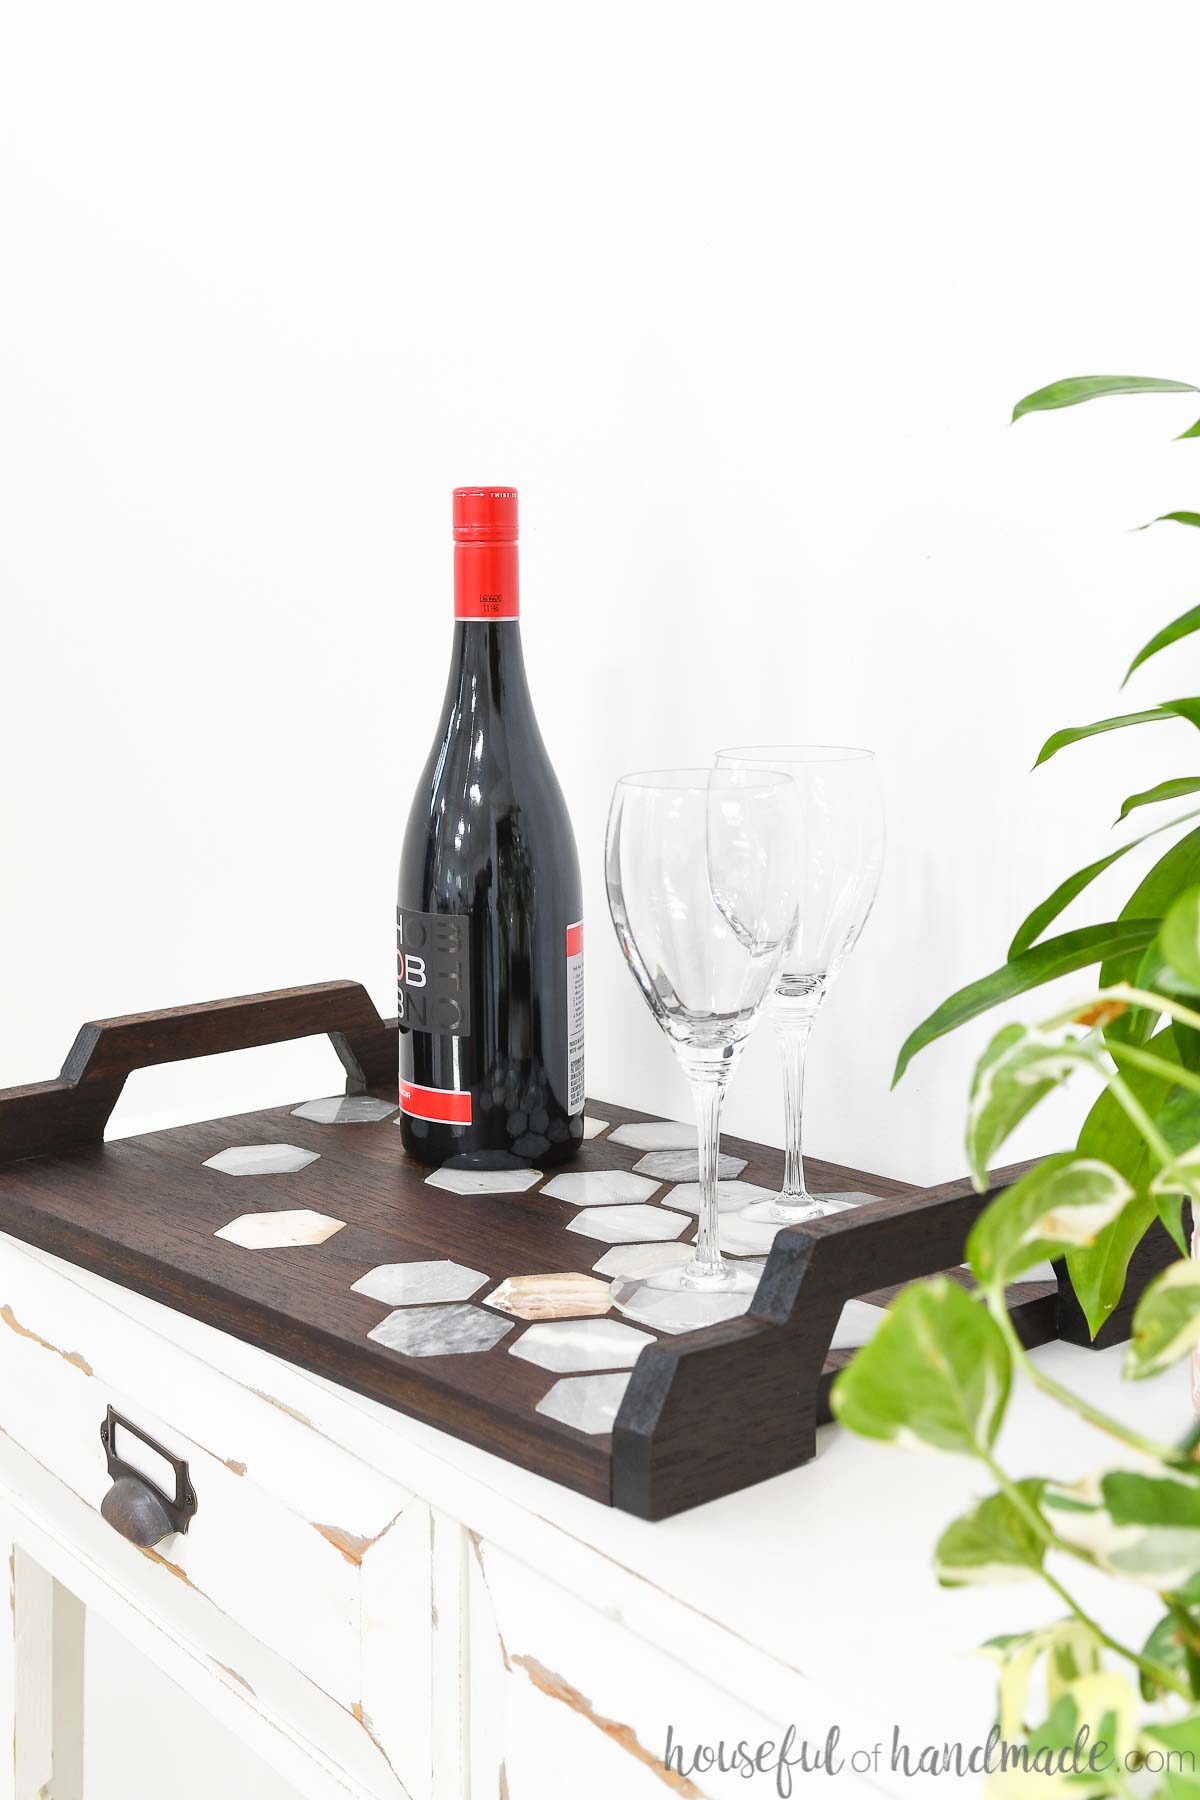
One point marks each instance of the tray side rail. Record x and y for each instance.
(70, 1113)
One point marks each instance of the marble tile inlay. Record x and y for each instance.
(345, 1109)
(684, 1165)
(411, 1283)
(859, 1321)
(677, 1310)
(550, 1297)
(599, 1187)
(731, 1196)
(440, 1330)
(629, 1224)
(592, 1127)
(642, 1259)
(656, 1134)
(573, 1344)
(262, 1159)
(484, 1181)
(279, 1230)
(739, 1236)
(588, 1402)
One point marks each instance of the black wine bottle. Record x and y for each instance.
(489, 917)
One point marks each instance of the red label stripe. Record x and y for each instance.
(575, 939)
(442, 1105)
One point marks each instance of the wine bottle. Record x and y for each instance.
(489, 917)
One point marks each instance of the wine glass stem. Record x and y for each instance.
(707, 1095)
(792, 1029)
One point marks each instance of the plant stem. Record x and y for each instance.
(1131, 996)
(1155, 1065)
(1136, 1112)
(1074, 1402)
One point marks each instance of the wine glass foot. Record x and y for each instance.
(666, 1299)
(783, 1210)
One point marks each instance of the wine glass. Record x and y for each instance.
(703, 869)
(842, 835)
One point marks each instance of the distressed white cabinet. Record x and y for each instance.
(377, 1610)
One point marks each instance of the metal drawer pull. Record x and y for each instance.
(135, 1505)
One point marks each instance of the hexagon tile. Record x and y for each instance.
(262, 1159)
(279, 1230)
(569, 1344)
(731, 1196)
(588, 1402)
(592, 1127)
(656, 1134)
(345, 1109)
(642, 1259)
(411, 1283)
(681, 1309)
(550, 1297)
(684, 1165)
(628, 1224)
(599, 1187)
(439, 1330)
(484, 1181)
(740, 1236)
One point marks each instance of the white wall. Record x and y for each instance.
(740, 297)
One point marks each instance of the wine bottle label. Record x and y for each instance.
(440, 1104)
(433, 973)
(575, 1091)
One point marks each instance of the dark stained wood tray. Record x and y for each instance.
(704, 1414)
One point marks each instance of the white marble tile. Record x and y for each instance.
(575, 1344)
(655, 1134)
(588, 1402)
(684, 1165)
(484, 1181)
(551, 1296)
(629, 1224)
(440, 1330)
(859, 1322)
(599, 1187)
(739, 1236)
(417, 1283)
(642, 1259)
(732, 1196)
(345, 1109)
(677, 1310)
(592, 1127)
(279, 1230)
(262, 1159)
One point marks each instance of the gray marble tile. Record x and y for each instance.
(575, 1344)
(484, 1181)
(588, 1402)
(345, 1109)
(262, 1159)
(417, 1283)
(440, 1330)
(732, 1196)
(279, 1230)
(655, 1134)
(684, 1165)
(629, 1224)
(599, 1187)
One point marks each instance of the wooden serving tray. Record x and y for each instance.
(703, 1415)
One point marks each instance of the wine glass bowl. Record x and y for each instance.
(842, 833)
(702, 868)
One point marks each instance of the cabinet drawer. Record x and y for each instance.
(304, 1547)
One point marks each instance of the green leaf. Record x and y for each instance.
(1166, 790)
(1181, 627)
(1143, 1527)
(1180, 936)
(935, 1375)
(1099, 1270)
(1166, 1322)
(1187, 708)
(1018, 1068)
(1067, 1200)
(1041, 916)
(1174, 872)
(1168, 1646)
(1191, 432)
(1045, 962)
(1077, 388)
(1182, 1175)
(993, 1542)
(1182, 1739)
(1171, 518)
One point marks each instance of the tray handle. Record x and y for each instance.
(72, 1112)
